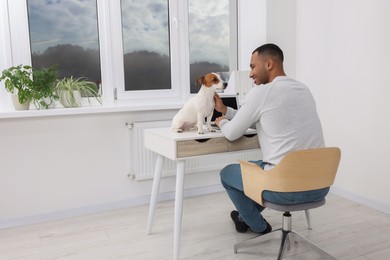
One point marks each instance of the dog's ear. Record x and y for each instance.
(200, 80)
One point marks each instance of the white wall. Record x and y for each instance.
(252, 29)
(263, 22)
(343, 54)
(281, 30)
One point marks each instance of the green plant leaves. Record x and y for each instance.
(18, 80)
(67, 87)
(38, 85)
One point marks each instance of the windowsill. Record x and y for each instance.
(92, 109)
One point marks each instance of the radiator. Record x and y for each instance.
(143, 160)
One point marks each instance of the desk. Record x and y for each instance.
(179, 147)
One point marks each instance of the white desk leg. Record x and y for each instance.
(155, 189)
(180, 165)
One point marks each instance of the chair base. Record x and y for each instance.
(285, 234)
(284, 243)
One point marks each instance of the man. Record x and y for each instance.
(284, 113)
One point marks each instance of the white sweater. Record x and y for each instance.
(285, 115)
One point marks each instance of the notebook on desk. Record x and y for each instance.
(228, 100)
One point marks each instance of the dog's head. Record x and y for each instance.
(211, 80)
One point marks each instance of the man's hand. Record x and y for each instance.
(219, 105)
(218, 119)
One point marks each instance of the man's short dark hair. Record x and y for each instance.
(271, 50)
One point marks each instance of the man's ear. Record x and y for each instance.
(269, 64)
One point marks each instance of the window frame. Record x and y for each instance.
(176, 93)
(111, 53)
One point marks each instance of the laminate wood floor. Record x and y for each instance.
(345, 229)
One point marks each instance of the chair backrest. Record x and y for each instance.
(298, 171)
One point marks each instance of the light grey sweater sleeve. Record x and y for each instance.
(247, 116)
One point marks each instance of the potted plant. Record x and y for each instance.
(44, 80)
(18, 82)
(70, 90)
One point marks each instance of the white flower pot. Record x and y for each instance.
(18, 105)
(67, 101)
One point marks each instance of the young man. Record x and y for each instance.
(284, 113)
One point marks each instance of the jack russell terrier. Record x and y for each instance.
(200, 106)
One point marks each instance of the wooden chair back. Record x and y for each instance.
(301, 170)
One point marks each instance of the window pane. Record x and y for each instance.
(65, 33)
(209, 36)
(145, 29)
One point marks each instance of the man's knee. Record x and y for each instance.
(225, 171)
(226, 174)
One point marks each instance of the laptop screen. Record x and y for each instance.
(228, 100)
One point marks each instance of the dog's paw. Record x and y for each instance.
(212, 130)
(200, 132)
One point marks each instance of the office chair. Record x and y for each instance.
(298, 171)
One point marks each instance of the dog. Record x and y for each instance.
(200, 106)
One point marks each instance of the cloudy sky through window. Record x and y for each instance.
(145, 26)
(57, 22)
(209, 31)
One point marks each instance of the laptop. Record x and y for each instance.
(228, 100)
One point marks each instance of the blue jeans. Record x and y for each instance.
(249, 210)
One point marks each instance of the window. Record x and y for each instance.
(65, 33)
(143, 52)
(145, 32)
(209, 35)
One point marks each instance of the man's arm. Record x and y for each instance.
(227, 112)
(219, 105)
(242, 119)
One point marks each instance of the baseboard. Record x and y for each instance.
(360, 199)
(105, 207)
